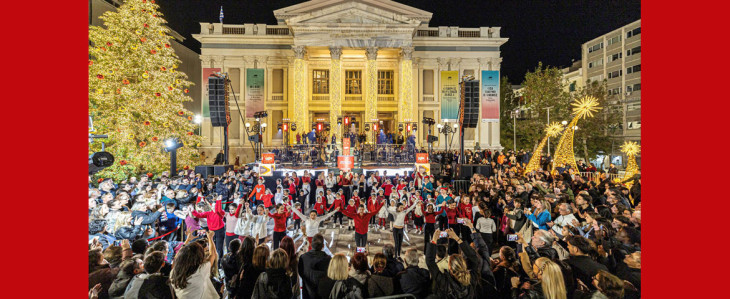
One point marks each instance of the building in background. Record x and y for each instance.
(573, 76)
(616, 57)
(190, 59)
(371, 60)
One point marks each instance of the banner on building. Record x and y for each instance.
(346, 146)
(254, 91)
(268, 164)
(345, 163)
(207, 72)
(450, 95)
(489, 96)
(421, 158)
(268, 158)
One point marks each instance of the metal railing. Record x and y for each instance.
(596, 176)
(427, 32)
(234, 30)
(469, 33)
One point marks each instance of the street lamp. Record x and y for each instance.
(171, 146)
(565, 122)
(514, 129)
(446, 130)
(198, 120)
(258, 129)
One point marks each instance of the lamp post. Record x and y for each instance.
(171, 146)
(548, 123)
(446, 130)
(514, 129)
(258, 128)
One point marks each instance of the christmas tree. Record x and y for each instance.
(136, 94)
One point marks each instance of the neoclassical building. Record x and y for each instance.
(371, 60)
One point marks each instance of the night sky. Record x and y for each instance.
(550, 31)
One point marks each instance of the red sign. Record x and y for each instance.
(375, 127)
(319, 127)
(346, 146)
(347, 120)
(285, 127)
(267, 158)
(421, 158)
(345, 163)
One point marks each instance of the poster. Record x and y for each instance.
(421, 158)
(489, 96)
(450, 95)
(345, 163)
(206, 73)
(267, 166)
(346, 146)
(254, 91)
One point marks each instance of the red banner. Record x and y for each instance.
(268, 158)
(421, 158)
(345, 163)
(346, 146)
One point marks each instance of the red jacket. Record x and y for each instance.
(338, 202)
(452, 214)
(320, 207)
(279, 221)
(352, 209)
(430, 217)
(214, 218)
(387, 188)
(295, 216)
(371, 205)
(361, 221)
(466, 211)
(267, 199)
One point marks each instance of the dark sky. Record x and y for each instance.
(550, 31)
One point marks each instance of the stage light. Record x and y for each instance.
(293, 127)
(408, 127)
(172, 144)
(400, 127)
(285, 127)
(339, 121)
(319, 127)
(415, 126)
(375, 127)
(99, 161)
(367, 128)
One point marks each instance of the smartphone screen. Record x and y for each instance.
(460, 220)
(443, 234)
(511, 237)
(361, 249)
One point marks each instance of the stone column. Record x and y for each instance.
(300, 104)
(335, 88)
(405, 100)
(371, 88)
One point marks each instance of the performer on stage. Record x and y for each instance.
(257, 192)
(361, 223)
(400, 215)
(282, 213)
(311, 223)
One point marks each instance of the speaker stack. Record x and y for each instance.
(471, 104)
(218, 102)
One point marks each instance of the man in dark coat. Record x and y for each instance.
(583, 266)
(220, 158)
(392, 266)
(313, 267)
(413, 280)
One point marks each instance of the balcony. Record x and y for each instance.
(456, 32)
(320, 97)
(386, 98)
(244, 29)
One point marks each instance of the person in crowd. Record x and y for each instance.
(282, 213)
(458, 280)
(361, 223)
(190, 278)
(274, 281)
(250, 274)
(359, 268)
(337, 283)
(292, 271)
(541, 215)
(312, 267)
(152, 283)
(379, 285)
(399, 214)
(392, 266)
(216, 223)
(584, 267)
(549, 282)
(566, 218)
(412, 280)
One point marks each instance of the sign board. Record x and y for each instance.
(254, 91)
(346, 146)
(345, 163)
(489, 96)
(268, 158)
(421, 158)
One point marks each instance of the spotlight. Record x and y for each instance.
(198, 119)
(400, 127)
(99, 161)
(367, 128)
(172, 144)
(293, 127)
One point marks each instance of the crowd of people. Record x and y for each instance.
(508, 235)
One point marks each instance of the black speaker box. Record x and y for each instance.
(204, 170)
(221, 169)
(471, 104)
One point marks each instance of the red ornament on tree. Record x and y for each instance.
(153, 51)
(142, 144)
(190, 133)
(146, 26)
(109, 44)
(123, 162)
(190, 117)
(157, 94)
(149, 174)
(169, 87)
(167, 45)
(91, 63)
(186, 90)
(181, 113)
(125, 81)
(99, 180)
(100, 76)
(186, 167)
(103, 49)
(162, 68)
(143, 39)
(147, 123)
(155, 138)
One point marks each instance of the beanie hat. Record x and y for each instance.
(96, 226)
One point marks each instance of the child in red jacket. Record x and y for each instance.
(282, 213)
(352, 209)
(320, 206)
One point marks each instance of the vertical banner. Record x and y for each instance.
(268, 164)
(345, 163)
(346, 146)
(254, 91)
(449, 95)
(489, 95)
(206, 73)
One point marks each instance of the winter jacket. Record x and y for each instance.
(129, 232)
(413, 280)
(148, 218)
(248, 281)
(350, 287)
(273, 283)
(119, 285)
(444, 284)
(312, 268)
(214, 218)
(392, 267)
(149, 286)
(105, 276)
(379, 285)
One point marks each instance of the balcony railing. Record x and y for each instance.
(320, 97)
(353, 97)
(279, 97)
(386, 98)
(277, 31)
(455, 32)
(234, 29)
(244, 29)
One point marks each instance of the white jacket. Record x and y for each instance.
(259, 225)
(312, 226)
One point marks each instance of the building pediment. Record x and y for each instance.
(352, 12)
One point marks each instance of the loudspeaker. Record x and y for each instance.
(436, 168)
(485, 170)
(471, 104)
(432, 138)
(221, 169)
(466, 171)
(204, 170)
(219, 112)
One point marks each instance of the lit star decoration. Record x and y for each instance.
(631, 149)
(564, 155)
(134, 95)
(552, 130)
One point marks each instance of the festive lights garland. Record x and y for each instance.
(631, 149)
(551, 131)
(564, 154)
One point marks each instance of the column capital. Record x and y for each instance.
(335, 53)
(299, 51)
(371, 53)
(407, 52)
(442, 62)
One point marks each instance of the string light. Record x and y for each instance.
(550, 131)
(564, 155)
(631, 149)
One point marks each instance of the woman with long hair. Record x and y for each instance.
(274, 282)
(541, 215)
(506, 268)
(190, 278)
(251, 273)
(549, 285)
(287, 244)
(458, 281)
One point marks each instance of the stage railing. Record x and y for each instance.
(461, 186)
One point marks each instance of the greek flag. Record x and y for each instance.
(221, 16)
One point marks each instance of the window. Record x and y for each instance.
(615, 74)
(616, 56)
(596, 62)
(385, 82)
(632, 106)
(633, 69)
(353, 82)
(595, 47)
(614, 91)
(428, 82)
(277, 81)
(614, 40)
(634, 32)
(637, 87)
(596, 78)
(320, 82)
(572, 86)
(633, 51)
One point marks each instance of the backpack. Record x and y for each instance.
(345, 289)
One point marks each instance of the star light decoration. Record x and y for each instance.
(552, 130)
(582, 108)
(631, 149)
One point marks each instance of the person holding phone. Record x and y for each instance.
(541, 216)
